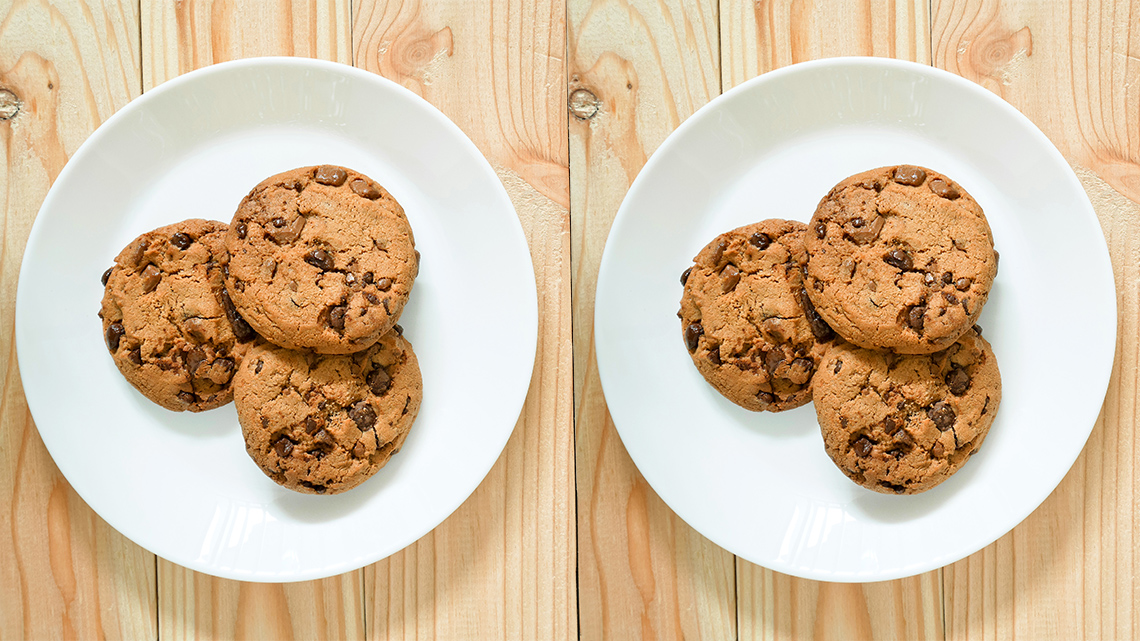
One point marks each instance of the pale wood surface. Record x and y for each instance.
(564, 538)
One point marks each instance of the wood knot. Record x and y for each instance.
(9, 104)
(584, 104)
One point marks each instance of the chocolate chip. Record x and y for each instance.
(349, 279)
(962, 284)
(772, 360)
(283, 446)
(947, 277)
(958, 381)
(978, 329)
(372, 298)
(890, 425)
(939, 450)
(364, 189)
(257, 368)
(800, 371)
(847, 268)
(325, 439)
(320, 259)
(684, 275)
(858, 222)
(336, 316)
(909, 175)
(358, 450)
(928, 279)
(714, 355)
(942, 415)
(367, 278)
(729, 277)
(114, 332)
(134, 258)
(944, 189)
(916, 317)
(760, 240)
(288, 234)
(385, 304)
(311, 425)
(765, 398)
(863, 447)
(868, 233)
(194, 359)
(838, 366)
(181, 241)
(819, 328)
(331, 175)
(950, 298)
(363, 414)
(187, 397)
(135, 356)
(379, 381)
(899, 259)
(820, 230)
(399, 330)
(718, 252)
(384, 284)
(150, 277)
(242, 331)
(106, 275)
(241, 229)
(692, 336)
(905, 438)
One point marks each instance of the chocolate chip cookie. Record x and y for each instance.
(321, 258)
(323, 424)
(746, 320)
(903, 424)
(900, 258)
(167, 319)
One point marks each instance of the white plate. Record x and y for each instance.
(181, 485)
(760, 485)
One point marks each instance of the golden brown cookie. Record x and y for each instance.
(165, 318)
(746, 321)
(323, 424)
(904, 424)
(900, 258)
(321, 258)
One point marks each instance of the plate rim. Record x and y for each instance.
(516, 399)
(659, 156)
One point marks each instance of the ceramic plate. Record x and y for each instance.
(760, 485)
(181, 485)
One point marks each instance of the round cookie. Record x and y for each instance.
(323, 424)
(321, 258)
(899, 258)
(746, 320)
(167, 320)
(903, 424)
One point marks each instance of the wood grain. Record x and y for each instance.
(757, 37)
(637, 70)
(181, 37)
(65, 572)
(761, 35)
(1071, 569)
(190, 34)
(502, 566)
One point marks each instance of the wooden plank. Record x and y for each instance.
(1071, 569)
(183, 36)
(502, 566)
(65, 573)
(637, 70)
(180, 37)
(757, 37)
(768, 34)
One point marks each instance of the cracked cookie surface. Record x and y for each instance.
(166, 320)
(323, 424)
(744, 321)
(904, 423)
(899, 258)
(320, 258)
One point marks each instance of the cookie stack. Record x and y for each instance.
(291, 312)
(869, 310)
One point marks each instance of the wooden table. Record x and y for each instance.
(567, 99)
